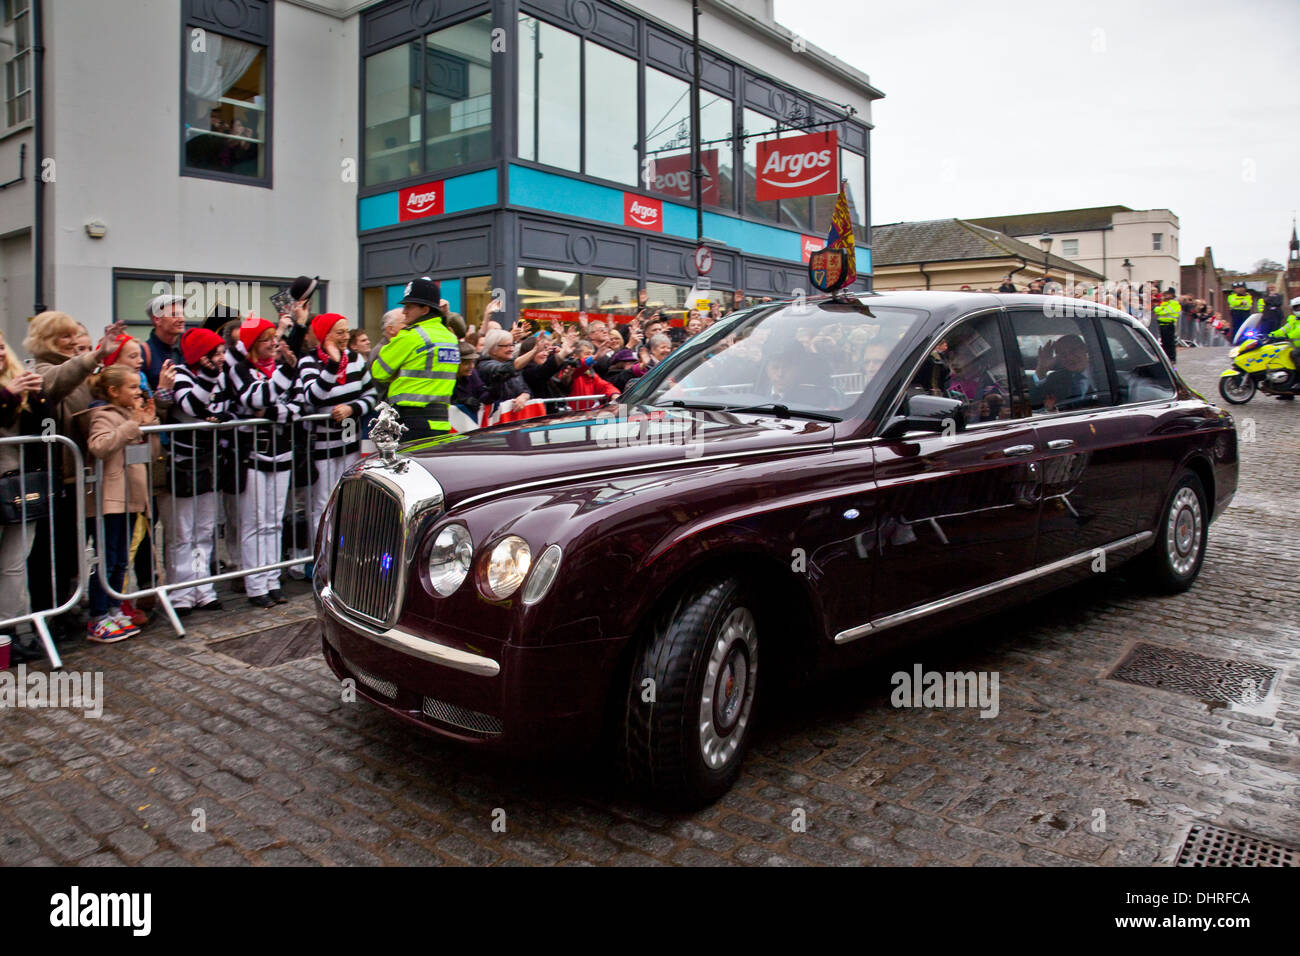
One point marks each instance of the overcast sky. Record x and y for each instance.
(994, 108)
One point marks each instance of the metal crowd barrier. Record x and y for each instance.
(32, 526)
(242, 434)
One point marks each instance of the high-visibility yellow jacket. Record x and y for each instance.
(420, 365)
(1238, 303)
(1167, 312)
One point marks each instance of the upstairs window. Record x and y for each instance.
(1069, 248)
(226, 96)
(18, 62)
(1157, 241)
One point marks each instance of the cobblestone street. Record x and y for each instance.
(284, 772)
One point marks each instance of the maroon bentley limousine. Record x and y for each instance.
(795, 488)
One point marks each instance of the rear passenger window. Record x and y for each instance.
(1064, 369)
(1140, 375)
(969, 363)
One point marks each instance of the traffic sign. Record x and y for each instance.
(703, 260)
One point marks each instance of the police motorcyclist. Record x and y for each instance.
(419, 365)
(1290, 330)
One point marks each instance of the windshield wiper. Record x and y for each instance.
(678, 403)
(782, 411)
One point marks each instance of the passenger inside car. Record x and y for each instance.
(1061, 376)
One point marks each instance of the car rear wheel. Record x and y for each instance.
(691, 697)
(1174, 562)
(1237, 389)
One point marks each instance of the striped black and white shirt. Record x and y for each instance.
(320, 390)
(196, 398)
(252, 394)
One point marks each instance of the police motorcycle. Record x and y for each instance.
(1260, 362)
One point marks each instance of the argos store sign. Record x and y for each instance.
(798, 166)
(416, 202)
(642, 212)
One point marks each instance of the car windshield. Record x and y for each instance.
(814, 359)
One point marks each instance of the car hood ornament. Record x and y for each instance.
(386, 432)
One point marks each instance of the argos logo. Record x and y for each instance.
(798, 166)
(416, 202)
(642, 212)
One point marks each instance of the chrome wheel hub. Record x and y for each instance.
(727, 697)
(1183, 533)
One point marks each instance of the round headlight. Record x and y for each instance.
(506, 567)
(543, 574)
(450, 559)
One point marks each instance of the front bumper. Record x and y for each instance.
(476, 691)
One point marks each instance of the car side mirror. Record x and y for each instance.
(928, 413)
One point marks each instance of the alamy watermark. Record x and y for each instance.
(75, 690)
(952, 689)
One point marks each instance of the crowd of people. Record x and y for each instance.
(313, 380)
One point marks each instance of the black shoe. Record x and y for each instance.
(183, 611)
(261, 600)
(213, 605)
(276, 595)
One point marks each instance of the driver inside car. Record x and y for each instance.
(1061, 374)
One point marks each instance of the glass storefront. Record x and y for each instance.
(392, 115)
(547, 289)
(458, 95)
(549, 94)
(240, 295)
(611, 126)
(610, 295)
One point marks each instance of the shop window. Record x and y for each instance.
(205, 294)
(392, 117)
(717, 129)
(670, 299)
(616, 297)
(610, 114)
(549, 89)
(547, 289)
(668, 136)
(770, 210)
(853, 170)
(458, 95)
(478, 293)
(226, 119)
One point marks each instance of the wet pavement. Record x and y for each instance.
(226, 747)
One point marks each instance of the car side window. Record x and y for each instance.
(969, 363)
(1063, 365)
(1140, 375)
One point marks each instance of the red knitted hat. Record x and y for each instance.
(251, 329)
(321, 325)
(197, 343)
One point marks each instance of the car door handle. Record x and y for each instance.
(1017, 451)
(1057, 444)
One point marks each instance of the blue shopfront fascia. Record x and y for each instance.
(536, 189)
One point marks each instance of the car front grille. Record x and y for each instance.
(368, 565)
(484, 725)
(379, 685)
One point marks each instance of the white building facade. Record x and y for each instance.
(224, 147)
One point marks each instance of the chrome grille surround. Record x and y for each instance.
(485, 725)
(378, 514)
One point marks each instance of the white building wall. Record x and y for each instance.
(1128, 238)
(114, 73)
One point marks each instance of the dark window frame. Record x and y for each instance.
(158, 275)
(189, 21)
(425, 175)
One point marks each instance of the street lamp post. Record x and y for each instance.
(1045, 240)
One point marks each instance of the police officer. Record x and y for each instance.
(1167, 315)
(1239, 306)
(419, 364)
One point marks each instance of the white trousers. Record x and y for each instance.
(329, 470)
(15, 542)
(261, 509)
(191, 528)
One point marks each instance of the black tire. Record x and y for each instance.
(1174, 561)
(702, 656)
(1237, 389)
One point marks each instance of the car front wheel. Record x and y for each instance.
(691, 698)
(1174, 562)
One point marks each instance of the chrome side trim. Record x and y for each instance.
(408, 643)
(923, 610)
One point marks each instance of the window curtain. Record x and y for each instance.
(208, 75)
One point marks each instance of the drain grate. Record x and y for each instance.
(1205, 678)
(1212, 846)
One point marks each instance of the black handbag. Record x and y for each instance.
(24, 495)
